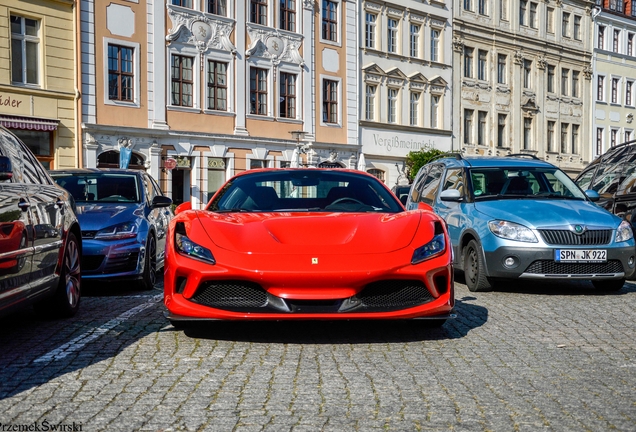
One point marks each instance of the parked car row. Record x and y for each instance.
(59, 227)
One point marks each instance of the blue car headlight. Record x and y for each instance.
(624, 232)
(435, 247)
(512, 231)
(187, 247)
(117, 232)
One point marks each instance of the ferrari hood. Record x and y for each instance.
(547, 213)
(320, 232)
(97, 216)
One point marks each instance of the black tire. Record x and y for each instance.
(66, 300)
(474, 268)
(150, 268)
(609, 285)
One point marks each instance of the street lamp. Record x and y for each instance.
(298, 135)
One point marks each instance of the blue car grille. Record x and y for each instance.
(567, 237)
(549, 267)
(91, 262)
(120, 263)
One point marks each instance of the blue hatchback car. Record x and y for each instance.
(123, 216)
(520, 217)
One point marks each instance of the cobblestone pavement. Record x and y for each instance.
(526, 358)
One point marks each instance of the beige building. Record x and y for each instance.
(522, 79)
(38, 85)
(614, 75)
(202, 90)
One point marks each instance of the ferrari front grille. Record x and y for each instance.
(390, 294)
(549, 267)
(566, 237)
(230, 294)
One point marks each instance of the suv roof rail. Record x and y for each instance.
(457, 156)
(523, 155)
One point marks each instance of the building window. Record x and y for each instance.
(549, 21)
(527, 74)
(527, 133)
(550, 79)
(615, 40)
(482, 118)
(217, 7)
(435, 45)
(565, 24)
(183, 3)
(613, 137)
(468, 62)
(287, 107)
(501, 68)
(523, 10)
(217, 85)
(392, 105)
(329, 20)
(434, 112)
(392, 35)
(370, 102)
(415, 40)
(564, 137)
(575, 84)
(120, 73)
(601, 38)
(614, 90)
(577, 27)
(182, 80)
(630, 44)
(482, 57)
(369, 30)
(633, 8)
(575, 139)
(501, 130)
(468, 126)
(25, 50)
(468, 5)
(600, 88)
(216, 175)
(329, 101)
(414, 109)
(599, 141)
(377, 173)
(258, 11)
(258, 91)
(288, 15)
(565, 75)
(482, 7)
(551, 125)
(628, 93)
(533, 15)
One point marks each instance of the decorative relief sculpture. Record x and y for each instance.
(275, 45)
(196, 28)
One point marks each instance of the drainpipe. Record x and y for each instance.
(77, 80)
(595, 12)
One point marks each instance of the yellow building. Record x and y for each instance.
(37, 78)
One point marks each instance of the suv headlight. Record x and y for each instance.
(512, 231)
(118, 232)
(435, 247)
(187, 247)
(624, 232)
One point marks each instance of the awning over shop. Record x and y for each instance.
(30, 123)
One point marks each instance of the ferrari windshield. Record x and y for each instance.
(102, 187)
(304, 190)
(535, 183)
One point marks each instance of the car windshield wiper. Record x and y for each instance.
(499, 196)
(232, 210)
(304, 209)
(556, 195)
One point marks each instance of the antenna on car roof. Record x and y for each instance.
(523, 155)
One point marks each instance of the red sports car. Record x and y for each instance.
(298, 243)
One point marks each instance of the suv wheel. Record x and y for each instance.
(474, 268)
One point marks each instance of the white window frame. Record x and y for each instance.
(393, 35)
(370, 100)
(393, 108)
(629, 101)
(435, 122)
(435, 44)
(196, 79)
(415, 107)
(415, 47)
(261, 64)
(370, 28)
(338, 41)
(229, 59)
(600, 84)
(24, 38)
(340, 100)
(136, 74)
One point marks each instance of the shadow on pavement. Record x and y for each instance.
(469, 316)
(564, 288)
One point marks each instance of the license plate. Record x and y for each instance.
(580, 255)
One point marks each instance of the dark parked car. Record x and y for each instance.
(613, 176)
(401, 192)
(124, 217)
(40, 240)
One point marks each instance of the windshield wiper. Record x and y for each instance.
(556, 195)
(232, 210)
(304, 209)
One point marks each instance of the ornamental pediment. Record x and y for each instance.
(204, 31)
(270, 43)
(373, 69)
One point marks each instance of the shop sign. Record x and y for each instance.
(9, 103)
(216, 163)
(183, 162)
(170, 163)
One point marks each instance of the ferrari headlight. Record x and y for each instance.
(512, 231)
(187, 247)
(624, 232)
(118, 232)
(435, 247)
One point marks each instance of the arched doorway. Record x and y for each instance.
(110, 159)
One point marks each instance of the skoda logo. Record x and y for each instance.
(578, 229)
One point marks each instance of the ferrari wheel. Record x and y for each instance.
(66, 299)
(150, 268)
(609, 285)
(474, 268)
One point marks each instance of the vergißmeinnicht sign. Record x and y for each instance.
(397, 142)
(401, 143)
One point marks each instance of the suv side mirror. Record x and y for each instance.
(6, 170)
(161, 201)
(592, 195)
(450, 195)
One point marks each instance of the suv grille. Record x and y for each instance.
(567, 237)
(549, 267)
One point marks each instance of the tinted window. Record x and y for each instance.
(607, 179)
(431, 184)
(104, 187)
(585, 179)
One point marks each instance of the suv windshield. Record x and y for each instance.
(536, 183)
(102, 187)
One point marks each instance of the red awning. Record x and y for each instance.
(30, 123)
